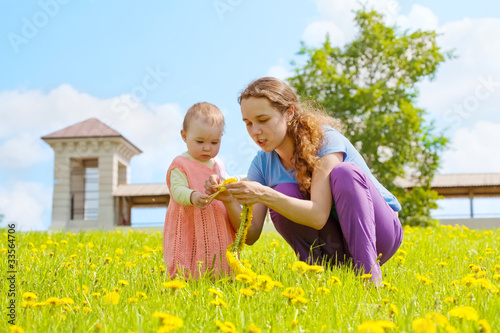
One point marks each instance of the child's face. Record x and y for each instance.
(202, 139)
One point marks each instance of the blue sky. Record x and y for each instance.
(62, 62)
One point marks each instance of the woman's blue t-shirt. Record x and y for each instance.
(266, 168)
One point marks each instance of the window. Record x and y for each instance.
(84, 189)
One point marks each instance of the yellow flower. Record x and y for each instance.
(393, 309)
(133, 300)
(246, 292)
(365, 276)
(123, 283)
(423, 325)
(450, 300)
(141, 295)
(85, 289)
(118, 251)
(29, 295)
(438, 318)
(128, 264)
(95, 294)
(375, 326)
(403, 252)
(484, 326)
(426, 281)
(292, 292)
(450, 329)
(169, 322)
(86, 309)
(334, 281)
(227, 327)
(400, 260)
(323, 290)
(275, 243)
(90, 245)
(218, 302)
(174, 284)
(252, 328)
(67, 300)
(111, 298)
(442, 264)
(248, 279)
(108, 260)
(466, 312)
(53, 301)
(304, 267)
(16, 329)
(216, 292)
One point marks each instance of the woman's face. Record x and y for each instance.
(265, 125)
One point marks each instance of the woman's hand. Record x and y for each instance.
(211, 186)
(246, 192)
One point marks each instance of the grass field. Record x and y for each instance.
(443, 279)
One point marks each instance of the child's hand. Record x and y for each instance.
(199, 199)
(211, 184)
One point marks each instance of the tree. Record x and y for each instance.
(369, 85)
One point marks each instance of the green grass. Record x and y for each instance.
(63, 264)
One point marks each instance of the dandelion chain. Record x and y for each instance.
(233, 250)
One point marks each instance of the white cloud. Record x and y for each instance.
(316, 32)
(279, 71)
(24, 204)
(473, 150)
(420, 17)
(28, 115)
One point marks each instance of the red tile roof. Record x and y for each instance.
(90, 128)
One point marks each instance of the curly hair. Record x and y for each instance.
(305, 128)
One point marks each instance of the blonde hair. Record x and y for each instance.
(305, 129)
(206, 112)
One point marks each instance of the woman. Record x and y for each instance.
(322, 197)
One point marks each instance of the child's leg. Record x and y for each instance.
(368, 223)
(309, 244)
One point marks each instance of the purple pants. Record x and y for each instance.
(360, 227)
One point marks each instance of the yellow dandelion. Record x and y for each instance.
(424, 280)
(299, 299)
(108, 260)
(43, 246)
(248, 279)
(133, 300)
(465, 312)
(371, 326)
(496, 276)
(218, 302)
(334, 281)
(365, 276)
(118, 251)
(252, 328)
(111, 298)
(438, 318)
(401, 251)
(129, 264)
(169, 322)
(450, 299)
(275, 243)
(393, 309)
(123, 283)
(294, 323)
(442, 264)
(246, 292)
(68, 300)
(174, 284)
(95, 294)
(16, 329)
(323, 290)
(85, 289)
(86, 309)
(90, 245)
(215, 292)
(29, 295)
(54, 301)
(484, 326)
(450, 329)
(423, 325)
(400, 260)
(140, 294)
(226, 327)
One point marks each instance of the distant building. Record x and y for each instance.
(91, 178)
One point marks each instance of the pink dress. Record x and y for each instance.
(194, 239)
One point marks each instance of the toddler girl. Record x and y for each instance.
(196, 233)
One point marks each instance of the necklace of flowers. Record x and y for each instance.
(233, 250)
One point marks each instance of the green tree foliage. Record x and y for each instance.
(369, 85)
